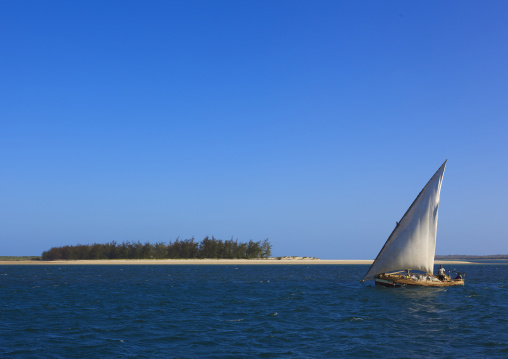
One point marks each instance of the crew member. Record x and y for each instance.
(441, 273)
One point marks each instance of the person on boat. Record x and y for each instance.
(441, 273)
(458, 277)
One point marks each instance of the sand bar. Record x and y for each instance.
(208, 262)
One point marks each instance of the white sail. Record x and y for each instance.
(412, 244)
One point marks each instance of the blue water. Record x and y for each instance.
(263, 311)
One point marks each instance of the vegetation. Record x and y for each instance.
(20, 258)
(465, 257)
(180, 249)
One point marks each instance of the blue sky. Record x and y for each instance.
(313, 124)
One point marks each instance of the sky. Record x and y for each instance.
(314, 124)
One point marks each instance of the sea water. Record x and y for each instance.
(247, 311)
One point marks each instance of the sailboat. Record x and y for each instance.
(407, 258)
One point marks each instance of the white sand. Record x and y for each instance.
(206, 262)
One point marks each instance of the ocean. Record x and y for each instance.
(246, 311)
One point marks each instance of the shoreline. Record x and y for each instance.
(211, 262)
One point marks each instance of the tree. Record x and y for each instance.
(188, 248)
(266, 249)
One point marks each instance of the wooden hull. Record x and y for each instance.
(388, 280)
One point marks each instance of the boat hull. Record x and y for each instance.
(402, 281)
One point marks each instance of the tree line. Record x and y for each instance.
(467, 257)
(179, 249)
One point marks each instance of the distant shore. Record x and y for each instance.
(271, 261)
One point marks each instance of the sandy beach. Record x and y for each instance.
(207, 262)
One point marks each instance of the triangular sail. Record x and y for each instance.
(412, 244)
